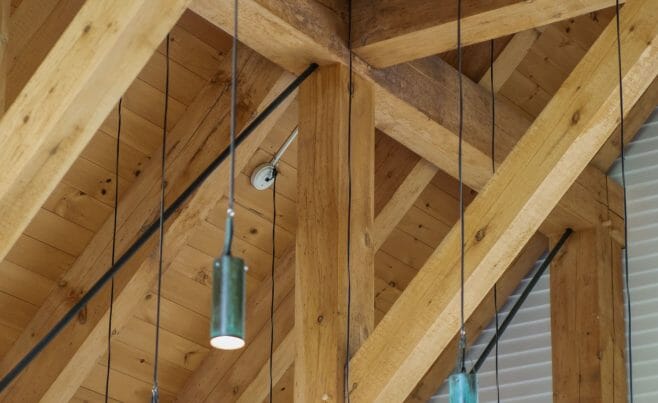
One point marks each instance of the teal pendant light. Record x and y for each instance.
(463, 387)
(227, 322)
(228, 303)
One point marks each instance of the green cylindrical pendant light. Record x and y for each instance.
(228, 278)
(463, 388)
(228, 303)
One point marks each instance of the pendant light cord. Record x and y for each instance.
(163, 184)
(114, 240)
(350, 93)
(274, 174)
(623, 182)
(493, 169)
(462, 331)
(230, 211)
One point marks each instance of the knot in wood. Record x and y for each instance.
(575, 118)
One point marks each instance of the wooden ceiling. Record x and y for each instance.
(66, 244)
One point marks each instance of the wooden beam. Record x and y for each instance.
(510, 58)
(322, 230)
(35, 27)
(395, 31)
(501, 219)
(76, 351)
(586, 303)
(402, 200)
(61, 106)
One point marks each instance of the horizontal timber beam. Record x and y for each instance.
(502, 218)
(390, 32)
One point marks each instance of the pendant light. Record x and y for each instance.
(229, 272)
(462, 384)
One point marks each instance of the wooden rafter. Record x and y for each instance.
(401, 201)
(396, 31)
(540, 169)
(60, 108)
(510, 58)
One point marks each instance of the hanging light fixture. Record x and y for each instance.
(228, 303)
(462, 385)
(229, 272)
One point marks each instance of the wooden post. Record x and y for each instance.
(321, 250)
(587, 320)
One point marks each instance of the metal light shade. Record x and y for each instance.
(463, 388)
(228, 303)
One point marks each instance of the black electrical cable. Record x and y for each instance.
(350, 90)
(462, 330)
(155, 392)
(114, 241)
(623, 183)
(493, 169)
(274, 174)
(230, 211)
(150, 230)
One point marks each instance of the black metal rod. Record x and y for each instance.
(521, 300)
(178, 203)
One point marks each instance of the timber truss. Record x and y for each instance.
(551, 175)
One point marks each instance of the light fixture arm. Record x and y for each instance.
(284, 147)
(263, 176)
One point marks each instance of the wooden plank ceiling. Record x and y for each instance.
(82, 202)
